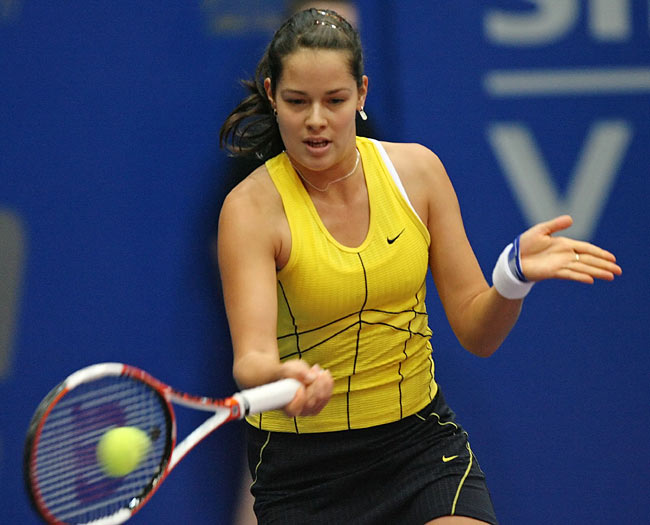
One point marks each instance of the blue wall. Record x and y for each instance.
(110, 183)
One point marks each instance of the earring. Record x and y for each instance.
(275, 113)
(362, 114)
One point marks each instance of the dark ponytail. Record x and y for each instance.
(251, 128)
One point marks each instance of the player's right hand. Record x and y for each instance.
(316, 391)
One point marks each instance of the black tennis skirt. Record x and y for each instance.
(408, 472)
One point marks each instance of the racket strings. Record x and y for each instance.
(69, 480)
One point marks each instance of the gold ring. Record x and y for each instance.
(577, 256)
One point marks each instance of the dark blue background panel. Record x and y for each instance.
(111, 182)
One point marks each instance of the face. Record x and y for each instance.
(316, 100)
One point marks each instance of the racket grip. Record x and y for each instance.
(267, 397)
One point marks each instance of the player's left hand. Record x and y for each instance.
(544, 256)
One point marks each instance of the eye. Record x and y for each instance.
(294, 101)
(337, 100)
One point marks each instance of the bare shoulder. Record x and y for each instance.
(419, 168)
(423, 175)
(413, 158)
(252, 209)
(254, 196)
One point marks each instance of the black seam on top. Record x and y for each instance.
(356, 350)
(297, 336)
(399, 369)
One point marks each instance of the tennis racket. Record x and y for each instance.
(64, 479)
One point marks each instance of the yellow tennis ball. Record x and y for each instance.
(121, 449)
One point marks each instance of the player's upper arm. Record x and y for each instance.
(247, 244)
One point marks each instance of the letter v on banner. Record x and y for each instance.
(590, 183)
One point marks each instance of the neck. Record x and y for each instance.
(312, 185)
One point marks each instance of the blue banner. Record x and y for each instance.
(111, 182)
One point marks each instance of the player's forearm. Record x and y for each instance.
(486, 321)
(255, 368)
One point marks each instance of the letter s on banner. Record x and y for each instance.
(550, 20)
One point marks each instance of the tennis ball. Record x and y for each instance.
(121, 449)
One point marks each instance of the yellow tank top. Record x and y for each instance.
(358, 312)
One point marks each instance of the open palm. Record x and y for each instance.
(546, 256)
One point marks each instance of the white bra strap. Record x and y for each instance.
(393, 172)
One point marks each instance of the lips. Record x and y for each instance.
(317, 143)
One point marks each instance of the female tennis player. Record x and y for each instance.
(323, 253)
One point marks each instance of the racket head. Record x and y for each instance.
(63, 477)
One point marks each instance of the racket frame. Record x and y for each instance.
(231, 408)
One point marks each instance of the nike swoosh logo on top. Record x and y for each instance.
(447, 459)
(391, 241)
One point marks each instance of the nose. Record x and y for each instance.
(316, 118)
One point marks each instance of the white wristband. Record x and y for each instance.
(505, 282)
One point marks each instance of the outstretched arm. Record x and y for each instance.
(536, 255)
(247, 248)
(481, 316)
